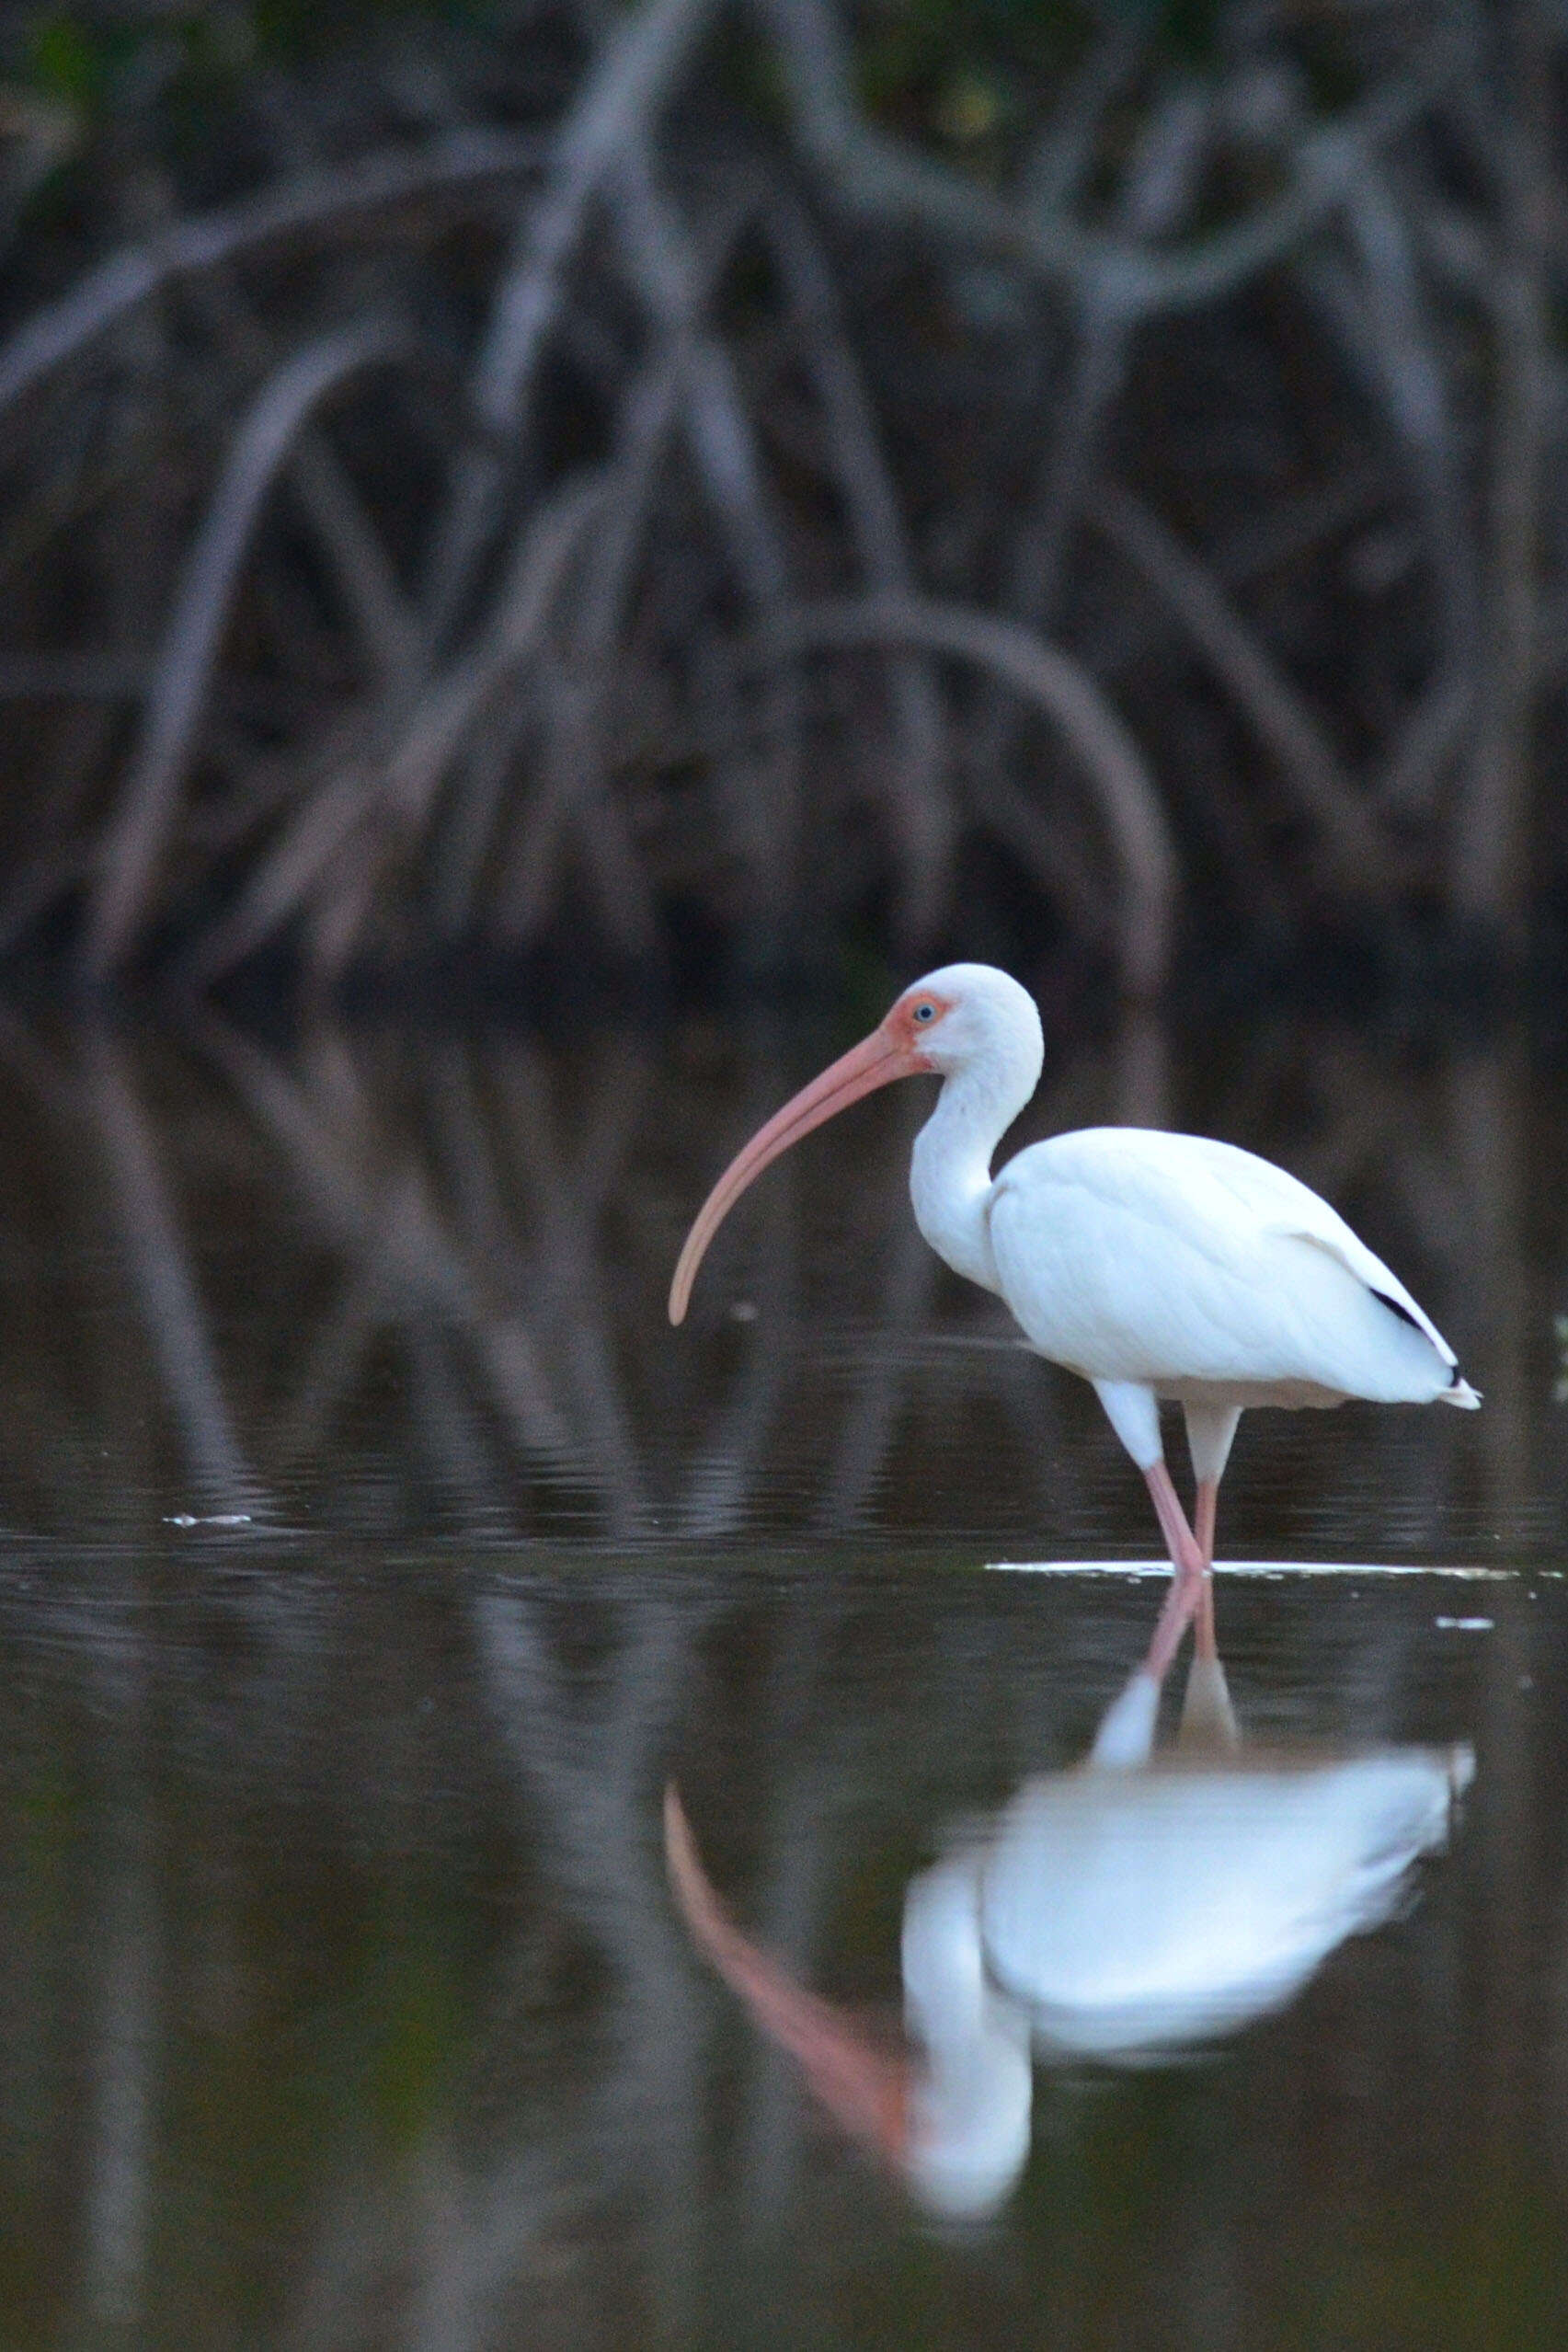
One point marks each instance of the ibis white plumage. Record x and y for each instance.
(1160, 1267)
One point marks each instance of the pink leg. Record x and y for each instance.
(1191, 1571)
(1125, 1737)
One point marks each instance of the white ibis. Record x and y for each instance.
(1159, 1267)
(1119, 1911)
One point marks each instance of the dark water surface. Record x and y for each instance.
(374, 1554)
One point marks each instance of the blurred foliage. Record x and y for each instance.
(963, 71)
(107, 57)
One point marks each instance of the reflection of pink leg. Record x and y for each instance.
(1203, 1531)
(1188, 1584)
(1209, 1726)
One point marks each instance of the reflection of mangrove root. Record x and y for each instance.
(558, 702)
(475, 1215)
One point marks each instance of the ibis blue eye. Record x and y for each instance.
(925, 1012)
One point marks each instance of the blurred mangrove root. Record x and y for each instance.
(428, 503)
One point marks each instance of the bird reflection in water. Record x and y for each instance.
(1142, 1903)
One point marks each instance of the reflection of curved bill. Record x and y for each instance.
(1121, 1911)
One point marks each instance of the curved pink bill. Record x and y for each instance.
(875, 1061)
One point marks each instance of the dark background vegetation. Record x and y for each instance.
(698, 491)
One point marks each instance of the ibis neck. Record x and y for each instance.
(950, 1177)
(972, 2100)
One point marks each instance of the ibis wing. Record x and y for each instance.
(1368, 1268)
(1176, 1240)
(1282, 1204)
